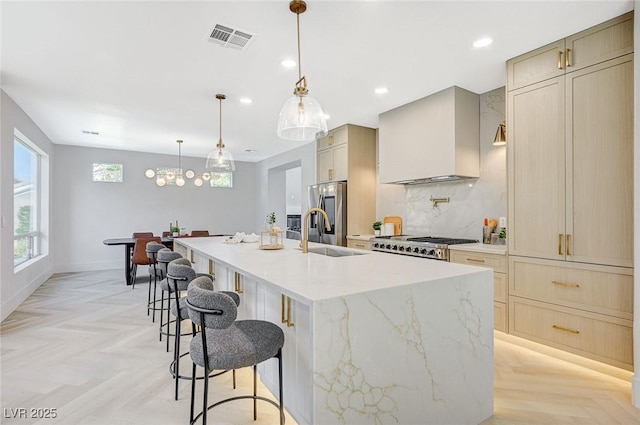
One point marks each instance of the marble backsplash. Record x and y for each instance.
(470, 201)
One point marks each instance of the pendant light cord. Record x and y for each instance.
(299, 61)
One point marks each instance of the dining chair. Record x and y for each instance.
(195, 233)
(225, 343)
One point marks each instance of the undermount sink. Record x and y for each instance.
(331, 252)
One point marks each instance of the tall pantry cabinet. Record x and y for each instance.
(570, 184)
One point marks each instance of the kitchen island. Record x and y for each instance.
(370, 338)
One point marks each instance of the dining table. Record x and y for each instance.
(128, 244)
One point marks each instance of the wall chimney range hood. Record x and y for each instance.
(431, 140)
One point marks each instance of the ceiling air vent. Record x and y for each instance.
(229, 37)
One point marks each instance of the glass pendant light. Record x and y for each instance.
(219, 160)
(301, 117)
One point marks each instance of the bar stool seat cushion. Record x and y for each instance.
(245, 343)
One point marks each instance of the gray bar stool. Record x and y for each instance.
(179, 275)
(226, 343)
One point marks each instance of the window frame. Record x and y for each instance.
(34, 236)
(93, 172)
(212, 180)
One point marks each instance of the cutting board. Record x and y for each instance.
(397, 223)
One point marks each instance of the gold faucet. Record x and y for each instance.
(304, 243)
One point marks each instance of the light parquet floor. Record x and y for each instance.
(82, 344)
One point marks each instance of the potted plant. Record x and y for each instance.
(377, 225)
(271, 220)
(175, 231)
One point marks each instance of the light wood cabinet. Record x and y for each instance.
(497, 262)
(358, 244)
(604, 338)
(570, 187)
(570, 164)
(600, 289)
(348, 153)
(598, 44)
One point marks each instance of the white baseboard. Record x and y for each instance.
(9, 305)
(635, 391)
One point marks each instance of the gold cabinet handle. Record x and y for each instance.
(565, 284)
(282, 308)
(212, 271)
(567, 58)
(560, 328)
(359, 245)
(560, 59)
(330, 173)
(286, 318)
(192, 260)
(560, 244)
(238, 283)
(475, 260)
(289, 322)
(330, 140)
(568, 244)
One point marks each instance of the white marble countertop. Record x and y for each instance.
(480, 247)
(314, 277)
(361, 237)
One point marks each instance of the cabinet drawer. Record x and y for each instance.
(602, 289)
(599, 337)
(500, 317)
(355, 243)
(494, 261)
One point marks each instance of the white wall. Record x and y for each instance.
(470, 201)
(88, 212)
(271, 181)
(16, 287)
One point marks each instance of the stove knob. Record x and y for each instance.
(395, 247)
(388, 246)
(416, 250)
(375, 245)
(432, 252)
(423, 251)
(401, 249)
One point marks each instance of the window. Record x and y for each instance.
(27, 166)
(224, 179)
(107, 172)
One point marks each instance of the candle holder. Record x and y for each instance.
(272, 238)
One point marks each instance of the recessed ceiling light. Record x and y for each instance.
(250, 150)
(482, 42)
(327, 116)
(381, 90)
(288, 63)
(246, 101)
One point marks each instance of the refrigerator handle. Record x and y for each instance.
(320, 216)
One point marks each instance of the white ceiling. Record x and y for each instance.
(143, 74)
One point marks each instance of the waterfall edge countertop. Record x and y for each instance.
(370, 338)
(316, 277)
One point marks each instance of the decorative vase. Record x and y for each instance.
(376, 232)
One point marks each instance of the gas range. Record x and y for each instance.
(433, 247)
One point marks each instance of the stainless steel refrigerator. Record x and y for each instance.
(332, 198)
